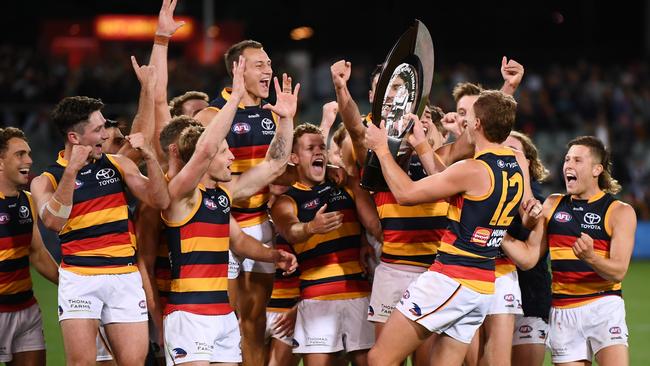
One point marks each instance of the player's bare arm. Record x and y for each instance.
(275, 161)
(289, 226)
(247, 246)
(622, 225)
(54, 202)
(348, 108)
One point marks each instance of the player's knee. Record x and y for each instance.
(373, 357)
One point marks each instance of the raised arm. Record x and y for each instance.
(277, 156)
(366, 209)
(512, 72)
(247, 246)
(184, 183)
(330, 110)
(612, 267)
(143, 122)
(430, 189)
(54, 202)
(152, 189)
(348, 108)
(165, 29)
(289, 226)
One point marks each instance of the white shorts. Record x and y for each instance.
(103, 348)
(529, 330)
(262, 232)
(507, 295)
(327, 326)
(21, 331)
(270, 332)
(579, 333)
(390, 282)
(443, 305)
(191, 337)
(115, 298)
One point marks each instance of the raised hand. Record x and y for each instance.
(167, 26)
(512, 72)
(417, 135)
(139, 143)
(238, 87)
(453, 124)
(146, 74)
(330, 110)
(286, 100)
(341, 73)
(79, 156)
(324, 222)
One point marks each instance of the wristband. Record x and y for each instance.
(57, 208)
(161, 40)
(423, 148)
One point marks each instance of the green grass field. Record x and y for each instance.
(635, 287)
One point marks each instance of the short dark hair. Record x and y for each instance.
(176, 104)
(496, 111)
(233, 53)
(172, 131)
(605, 180)
(71, 112)
(7, 134)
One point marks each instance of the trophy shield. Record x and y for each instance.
(403, 87)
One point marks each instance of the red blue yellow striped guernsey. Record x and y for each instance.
(329, 263)
(477, 225)
(251, 133)
(99, 236)
(198, 253)
(162, 271)
(16, 225)
(574, 282)
(412, 234)
(286, 289)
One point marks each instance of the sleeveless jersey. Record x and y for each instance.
(411, 233)
(99, 236)
(198, 253)
(329, 263)
(16, 225)
(286, 289)
(251, 132)
(574, 282)
(477, 224)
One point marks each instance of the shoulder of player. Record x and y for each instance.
(205, 116)
(622, 212)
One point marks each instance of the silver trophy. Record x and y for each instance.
(405, 82)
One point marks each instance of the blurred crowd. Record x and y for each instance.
(556, 101)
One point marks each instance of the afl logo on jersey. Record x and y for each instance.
(209, 204)
(4, 218)
(562, 216)
(267, 124)
(241, 128)
(78, 184)
(310, 205)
